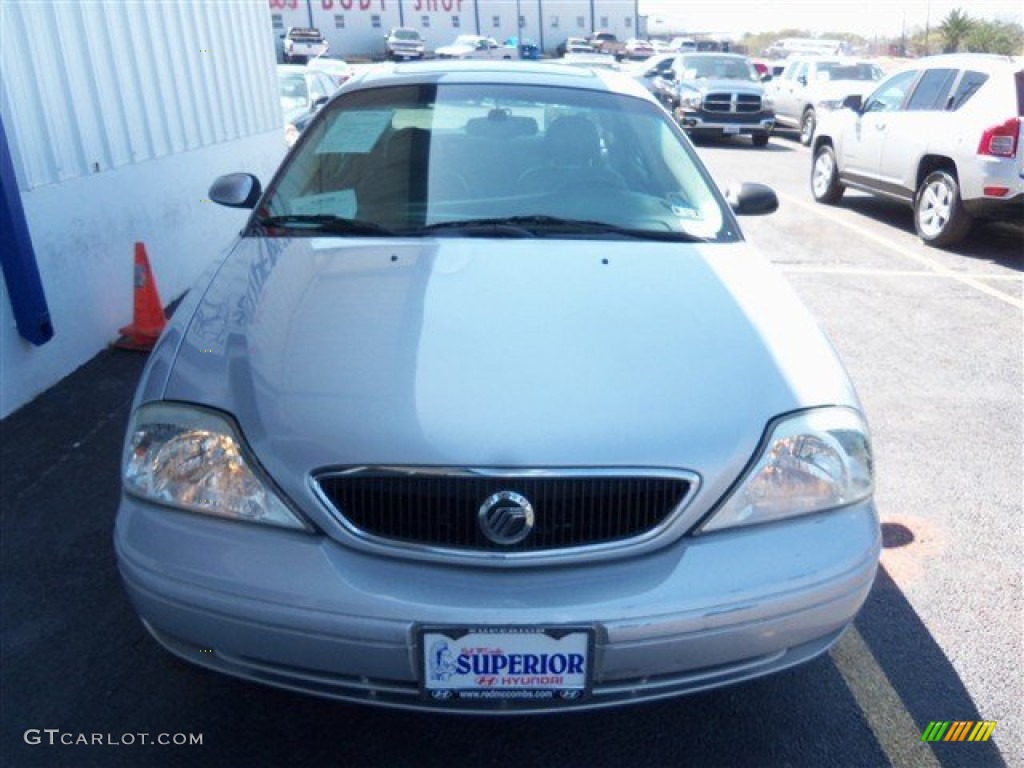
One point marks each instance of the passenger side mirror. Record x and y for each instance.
(236, 190)
(854, 101)
(749, 199)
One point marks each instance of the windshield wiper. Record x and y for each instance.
(539, 225)
(323, 222)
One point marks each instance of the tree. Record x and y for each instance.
(954, 29)
(995, 37)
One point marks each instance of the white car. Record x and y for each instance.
(812, 85)
(404, 43)
(475, 47)
(303, 43)
(942, 135)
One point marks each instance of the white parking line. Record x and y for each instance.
(894, 728)
(833, 216)
(827, 270)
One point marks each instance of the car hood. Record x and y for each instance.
(737, 86)
(839, 89)
(455, 50)
(497, 353)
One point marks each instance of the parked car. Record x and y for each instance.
(812, 85)
(682, 44)
(717, 94)
(942, 135)
(303, 91)
(474, 47)
(607, 43)
(491, 408)
(528, 51)
(574, 45)
(637, 49)
(302, 44)
(338, 70)
(651, 73)
(404, 43)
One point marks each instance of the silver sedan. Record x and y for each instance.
(490, 407)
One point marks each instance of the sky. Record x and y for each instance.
(882, 18)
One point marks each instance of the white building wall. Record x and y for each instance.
(356, 28)
(118, 116)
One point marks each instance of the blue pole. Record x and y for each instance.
(21, 272)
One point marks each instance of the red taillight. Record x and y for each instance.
(1001, 140)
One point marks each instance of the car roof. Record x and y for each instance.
(712, 54)
(291, 69)
(993, 61)
(500, 72)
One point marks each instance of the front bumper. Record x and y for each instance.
(302, 612)
(724, 125)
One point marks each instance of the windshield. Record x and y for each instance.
(412, 160)
(718, 68)
(305, 35)
(293, 91)
(405, 34)
(864, 71)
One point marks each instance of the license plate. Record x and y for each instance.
(524, 664)
(729, 129)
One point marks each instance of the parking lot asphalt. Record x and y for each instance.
(938, 362)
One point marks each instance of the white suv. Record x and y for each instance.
(943, 135)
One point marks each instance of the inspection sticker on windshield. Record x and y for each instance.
(354, 132)
(525, 664)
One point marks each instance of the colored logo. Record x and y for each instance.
(958, 730)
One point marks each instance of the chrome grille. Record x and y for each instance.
(733, 103)
(436, 509)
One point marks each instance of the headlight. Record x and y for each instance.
(767, 102)
(690, 100)
(813, 461)
(193, 459)
(291, 134)
(828, 105)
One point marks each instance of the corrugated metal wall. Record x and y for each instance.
(98, 85)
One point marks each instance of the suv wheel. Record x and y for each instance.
(825, 184)
(807, 123)
(939, 215)
(759, 139)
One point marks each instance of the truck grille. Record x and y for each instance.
(438, 509)
(733, 103)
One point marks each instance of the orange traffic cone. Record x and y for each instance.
(149, 319)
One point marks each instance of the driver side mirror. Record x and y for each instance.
(749, 199)
(236, 190)
(854, 101)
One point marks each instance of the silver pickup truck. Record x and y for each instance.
(302, 44)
